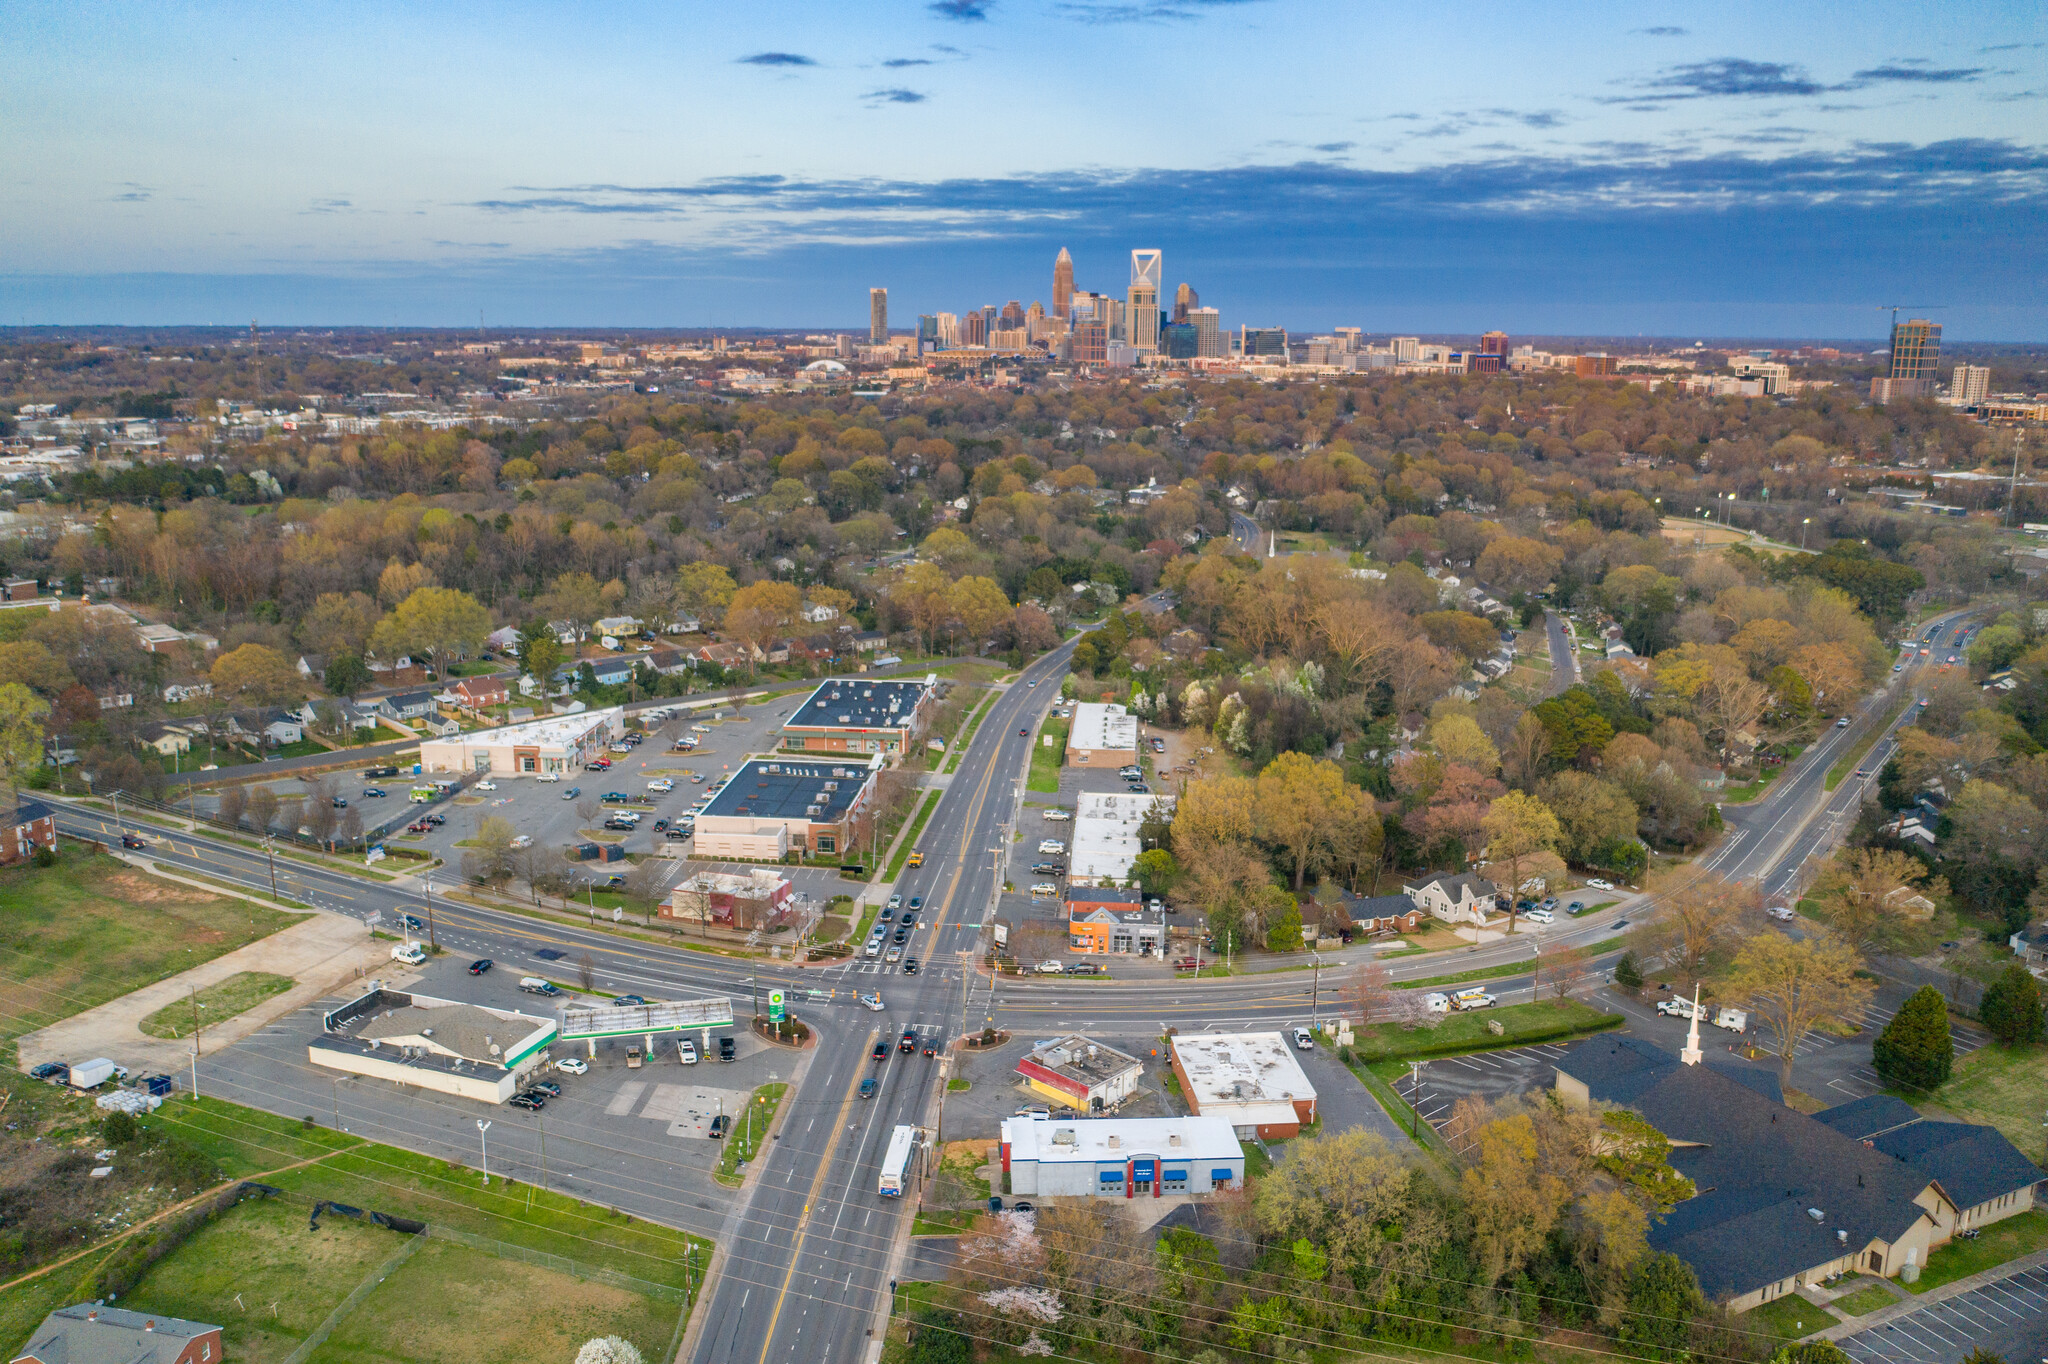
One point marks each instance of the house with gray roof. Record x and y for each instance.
(92, 1334)
(1460, 899)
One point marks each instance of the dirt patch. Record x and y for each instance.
(140, 889)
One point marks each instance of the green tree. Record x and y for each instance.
(2011, 1007)
(1819, 1352)
(254, 674)
(21, 734)
(1915, 1049)
(935, 1338)
(1283, 930)
(346, 675)
(439, 622)
(1627, 974)
(1663, 1298)
(1155, 871)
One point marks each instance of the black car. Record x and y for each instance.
(436, 820)
(719, 1125)
(412, 921)
(868, 1087)
(880, 1053)
(56, 1072)
(615, 796)
(629, 1001)
(1138, 788)
(131, 841)
(1046, 869)
(547, 1087)
(725, 1049)
(380, 771)
(917, 902)
(479, 966)
(340, 803)
(910, 966)
(373, 793)
(902, 935)
(613, 882)
(529, 1101)
(660, 826)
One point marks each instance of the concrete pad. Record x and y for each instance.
(321, 953)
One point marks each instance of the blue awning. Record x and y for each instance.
(1176, 1174)
(1112, 1176)
(1222, 1173)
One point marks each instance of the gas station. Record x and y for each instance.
(589, 1024)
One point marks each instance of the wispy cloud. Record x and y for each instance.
(1539, 118)
(132, 193)
(1663, 31)
(329, 206)
(965, 11)
(1740, 77)
(1334, 147)
(1918, 71)
(1142, 11)
(2013, 47)
(895, 95)
(897, 63)
(776, 59)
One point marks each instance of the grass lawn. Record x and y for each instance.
(23, 1307)
(909, 844)
(2006, 1087)
(956, 1085)
(1520, 1024)
(1736, 795)
(1047, 759)
(1787, 1318)
(1506, 968)
(1863, 1300)
(749, 1130)
(942, 1223)
(246, 1142)
(91, 929)
(1256, 1165)
(2001, 1241)
(433, 1305)
(216, 1003)
(980, 713)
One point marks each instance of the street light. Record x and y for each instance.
(432, 941)
(1803, 524)
(483, 1141)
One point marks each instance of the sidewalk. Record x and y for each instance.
(322, 952)
(1858, 1325)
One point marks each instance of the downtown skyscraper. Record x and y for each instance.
(1063, 285)
(1142, 321)
(878, 316)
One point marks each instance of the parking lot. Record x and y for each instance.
(633, 1139)
(1434, 1090)
(2008, 1318)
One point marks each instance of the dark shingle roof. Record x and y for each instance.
(91, 1334)
(1973, 1164)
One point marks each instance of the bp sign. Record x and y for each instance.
(775, 1006)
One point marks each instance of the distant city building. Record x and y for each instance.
(1592, 366)
(1142, 323)
(1262, 341)
(976, 330)
(1485, 362)
(1208, 325)
(1407, 350)
(1185, 300)
(878, 316)
(927, 332)
(1088, 344)
(1063, 284)
(949, 329)
(1494, 343)
(1972, 383)
(1180, 341)
(1012, 316)
(1915, 357)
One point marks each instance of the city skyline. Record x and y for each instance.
(1743, 172)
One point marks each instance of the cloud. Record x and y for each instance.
(946, 51)
(1541, 118)
(1663, 31)
(1143, 12)
(777, 59)
(132, 193)
(896, 63)
(329, 206)
(1334, 147)
(2013, 47)
(965, 11)
(1918, 71)
(895, 95)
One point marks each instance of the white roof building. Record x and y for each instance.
(1102, 736)
(559, 743)
(1105, 841)
(1249, 1079)
(1120, 1157)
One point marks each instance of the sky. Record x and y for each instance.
(1729, 170)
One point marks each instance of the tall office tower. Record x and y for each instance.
(989, 312)
(1180, 341)
(1089, 344)
(1141, 325)
(1063, 285)
(1110, 313)
(1185, 300)
(927, 332)
(976, 329)
(1350, 336)
(949, 330)
(1209, 338)
(1916, 351)
(1972, 384)
(878, 316)
(1407, 350)
(1494, 343)
(1013, 315)
(1266, 342)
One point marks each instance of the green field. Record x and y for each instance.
(215, 1004)
(91, 929)
(1787, 1318)
(2006, 1087)
(1046, 761)
(2001, 1241)
(1545, 1020)
(1863, 1301)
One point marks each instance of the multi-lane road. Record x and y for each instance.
(807, 1249)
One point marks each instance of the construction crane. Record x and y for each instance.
(1897, 308)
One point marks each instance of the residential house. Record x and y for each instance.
(312, 667)
(2030, 944)
(91, 1333)
(1383, 913)
(868, 641)
(478, 692)
(178, 692)
(116, 700)
(724, 655)
(618, 627)
(167, 740)
(283, 727)
(401, 673)
(667, 661)
(1461, 899)
(818, 614)
(34, 826)
(504, 639)
(20, 589)
(440, 725)
(566, 632)
(406, 705)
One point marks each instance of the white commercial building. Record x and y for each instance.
(1102, 736)
(1106, 840)
(1120, 1157)
(1249, 1079)
(436, 1044)
(560, 744)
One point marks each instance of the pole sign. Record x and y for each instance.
(775, 1006)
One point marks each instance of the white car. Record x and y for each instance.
(1597, 884)
(686, 1052)
(573, 1066)
(1045, 888)
(872, 1002)
(895, 902)
(549, 776)
(521, 841)
(1302, 1041)
(1538, 916)
(487, 786)
(1782, 913)
(1056, 816)
(1051, 845)
(661, 786)
(1051, 968)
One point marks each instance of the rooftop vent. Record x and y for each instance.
(1842, 1237)
(1115, 1142)
(1816, 1214)
(1173, 1139)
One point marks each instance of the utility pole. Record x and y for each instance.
(432, 941)
(1415, 1098)
(270, 851)
(194, 990)
(484, 1142)
(1315, 1003)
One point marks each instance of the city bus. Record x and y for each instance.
(896, 1164)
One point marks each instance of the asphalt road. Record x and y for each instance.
(1245, 531)
(1563, 663)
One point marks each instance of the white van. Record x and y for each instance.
(1437, 1004)
(1734, 1020)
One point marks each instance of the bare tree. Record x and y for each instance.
(1567, 968)
(351, 829)
(586, 971)
(645, 883)
(234, 799)
(587, 808)
(262, 803)
(1371, 993)
(319, 813)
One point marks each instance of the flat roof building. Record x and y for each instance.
(1106, 834)
(1102, 736)
(857, 715)
(1249, 1079)
(1092, 1076)
(1108, 919)
(1120, 1157)
(559, 744)
(774, 806)
(437, 1044)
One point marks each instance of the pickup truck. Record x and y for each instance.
(536, 985)
(916, 859)
(1186, 964)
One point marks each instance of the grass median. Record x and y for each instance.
(749, 1130)
(1047, 758)
(216, 1003)
(909, 843)
(1520, 1024)
(1861, 749)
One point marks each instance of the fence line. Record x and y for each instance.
(349, 1303)
(561, 1264)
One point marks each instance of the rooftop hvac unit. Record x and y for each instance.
(772, 770)
(1816, 1214)
(831, 786)
(1063, 1136)
(1116, 1142)
(846, 719)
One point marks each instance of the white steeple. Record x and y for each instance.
(1691, 1055)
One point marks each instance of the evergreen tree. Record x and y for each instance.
(2012, 1007)
(1663, 1298)
(1627, 974)
(1915, 1049)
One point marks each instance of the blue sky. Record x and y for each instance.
(1757, 170)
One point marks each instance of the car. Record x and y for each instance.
(1862, 771)
(917, 902)
(1051, 845)
(619, 825)
(521, 841)
(1046, 869)
(534, 1102)
(895, 954)
(572, 793)
(1617, 925)
(1782, 913)
(1680, 1008)
(479, 966)
(1050, 968)
(573, 1065)
(436, 820)
(374, 793)
(725, 1049)
(547, 1087)
(412, 922)
(481, 786)
(880, 1052)
(1045, 888)
(549, 776)
(375, 772)
(132, 841)
(629, 1001)
(868, 1087)
(1302, 1040)
(622, 748)
(902, 934)
(910, 966)
(1056, 816)
(1031, 684)
(1539, 916)
(719, 1126)
(339, 802)
(931, 1049)
(686, 1052)
(1023, 733)
(895, 902)
(662, 785)
(1842, 723)
(1086, 968)
(56, 1072)
(612, 883)
(614, 796)
(1576, 907)
(419, 826)
(1597, 884)
(916, 859)
(907, 1042)
(1138, 788)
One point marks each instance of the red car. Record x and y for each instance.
(419, 827)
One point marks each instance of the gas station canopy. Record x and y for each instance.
(681, 1015)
